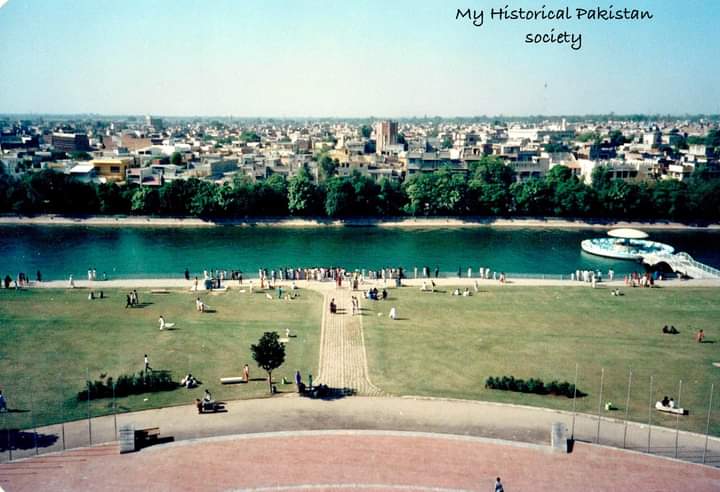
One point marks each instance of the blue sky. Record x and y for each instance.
(351, 58)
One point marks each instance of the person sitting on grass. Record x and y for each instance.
(700, 337)
(207, 398)
(665, 401)
(189, 381)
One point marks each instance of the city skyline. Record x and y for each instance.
(315, 60)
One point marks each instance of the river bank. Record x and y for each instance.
(389, 222)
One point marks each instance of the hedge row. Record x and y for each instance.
(532, 385)
(126, 385)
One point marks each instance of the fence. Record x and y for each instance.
(45, 420)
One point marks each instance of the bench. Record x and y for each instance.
(232, 380)
(146, 437)
(678, 411)
(159, 291)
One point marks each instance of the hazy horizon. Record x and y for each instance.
(320, 59)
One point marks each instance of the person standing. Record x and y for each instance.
(187, 274)
(38, 276)
(298, 380)
(437, 271)
(246, 373)
(3, 403)
(147, 364)
(162, 322)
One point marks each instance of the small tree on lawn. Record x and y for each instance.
(269, 353)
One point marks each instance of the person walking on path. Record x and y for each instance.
(499, 485)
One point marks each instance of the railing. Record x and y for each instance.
(696, 264)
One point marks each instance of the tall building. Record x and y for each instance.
(70, 142)
(385, 135)
(156, 123)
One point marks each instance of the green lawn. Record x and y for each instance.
(49, 338)
(448, 346)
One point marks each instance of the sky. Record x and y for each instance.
(399, 58)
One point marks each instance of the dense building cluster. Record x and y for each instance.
(626, 167)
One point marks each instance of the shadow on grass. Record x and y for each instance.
(18, 439)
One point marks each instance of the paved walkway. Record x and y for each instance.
(353, 460)
(458, 417)
(343, 359)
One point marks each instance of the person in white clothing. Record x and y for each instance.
(162, 322)
(393, 313)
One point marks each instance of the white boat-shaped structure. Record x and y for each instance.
(625, 244)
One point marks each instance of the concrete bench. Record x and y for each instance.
(232, 380)
(678, 411)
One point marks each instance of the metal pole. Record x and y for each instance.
(627, 409)
(677, 419)
(62, 422)
(114, 403)
(87, 374)
(650, 406)
(600, 402)
(32, 419)
(7, 431)
(707, 426)
(9, 442)
(572, 432)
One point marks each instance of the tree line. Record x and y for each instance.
(489, 189)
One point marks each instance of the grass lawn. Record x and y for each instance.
(447, 346)
(49, 338)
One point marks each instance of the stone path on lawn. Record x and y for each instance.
(343, 359)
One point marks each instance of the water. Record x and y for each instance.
(59, 251)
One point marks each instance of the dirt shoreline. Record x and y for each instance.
(393, 222)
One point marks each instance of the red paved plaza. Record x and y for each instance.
(374, 461)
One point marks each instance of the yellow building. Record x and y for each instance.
(112, 169)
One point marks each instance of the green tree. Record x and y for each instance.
(447, 143)
(145, 200)
(339, 197)
(249, 136)
(303, 194)
(365, 131)
(391, 198)
(271, 196)
(588, 137)
(269, 354)
(439, 193)
(617, 138)
(327, 165)
(531, 197)
(176, 158)
(112, 200)
(670, 199)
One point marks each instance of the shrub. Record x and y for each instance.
(532, 385)
(133, 384)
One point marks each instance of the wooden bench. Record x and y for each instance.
(146, 437)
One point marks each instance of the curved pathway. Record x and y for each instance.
(340, 460)
(343, 359)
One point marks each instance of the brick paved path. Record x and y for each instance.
(343, 361)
